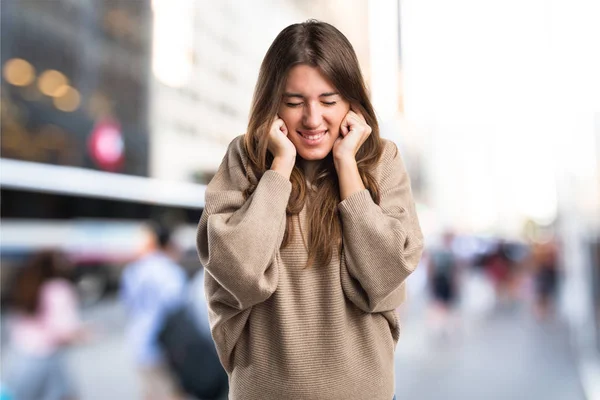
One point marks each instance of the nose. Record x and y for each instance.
(312, 116)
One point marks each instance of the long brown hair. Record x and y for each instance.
(320, 45)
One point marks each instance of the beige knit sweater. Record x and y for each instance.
(323, 333)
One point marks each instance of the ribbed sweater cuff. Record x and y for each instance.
(278, 186)
(356, 204)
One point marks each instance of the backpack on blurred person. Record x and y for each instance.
(189, 349)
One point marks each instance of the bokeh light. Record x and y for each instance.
(51, 83)
(18, 72)
(69, 99)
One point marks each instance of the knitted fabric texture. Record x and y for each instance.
(284, 331)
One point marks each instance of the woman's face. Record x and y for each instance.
(312, 111)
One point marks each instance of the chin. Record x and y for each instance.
(313, 154)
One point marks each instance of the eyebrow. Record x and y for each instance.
(327, 94)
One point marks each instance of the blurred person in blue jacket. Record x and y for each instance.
(151, 288)
(44, 324)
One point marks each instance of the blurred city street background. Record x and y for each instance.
(117, 112)
(506, 355)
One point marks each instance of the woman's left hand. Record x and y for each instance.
(354, 131)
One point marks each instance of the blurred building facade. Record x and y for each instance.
(74, 70)
(117, 111)
(75, 95)
(75, 132)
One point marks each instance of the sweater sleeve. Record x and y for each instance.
(238, 241)
(382, 244)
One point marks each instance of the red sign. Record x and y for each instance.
(106, 145)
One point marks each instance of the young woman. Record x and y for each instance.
(309, 232)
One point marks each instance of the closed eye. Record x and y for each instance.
(327, 103)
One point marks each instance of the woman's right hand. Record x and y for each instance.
(279, 144)
(282, 148)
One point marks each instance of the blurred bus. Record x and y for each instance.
(95, 217)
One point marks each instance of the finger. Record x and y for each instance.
(358, 121)
(353, 119)
(345, 128)
(278, 124)
(357, 116)
(283, 128)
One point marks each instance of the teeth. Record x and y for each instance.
(314, 137)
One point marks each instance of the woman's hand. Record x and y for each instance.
(282, 148)
(279, 144)
(354, 131)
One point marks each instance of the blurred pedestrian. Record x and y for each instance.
(502, 272)
(309, 232)
(546, 276)
(443, 274)
(45, 323)
(151, 287)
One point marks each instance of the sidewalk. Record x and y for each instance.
(505, 356)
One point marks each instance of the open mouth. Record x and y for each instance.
(312, 137)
